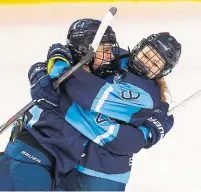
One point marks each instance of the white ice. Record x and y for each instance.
(174, 164)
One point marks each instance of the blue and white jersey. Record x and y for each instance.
(97, 121)
(105, 109)
(105, 131)
(132, 100)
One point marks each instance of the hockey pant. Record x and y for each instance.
(25, 165)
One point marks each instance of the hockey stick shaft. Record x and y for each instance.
(185, 102)
(94, 46)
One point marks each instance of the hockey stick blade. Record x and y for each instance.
(92, 49)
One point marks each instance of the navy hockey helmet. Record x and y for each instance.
(165, 47)
(81, 34)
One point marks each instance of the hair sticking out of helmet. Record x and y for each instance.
(155, 56)
(81, 34)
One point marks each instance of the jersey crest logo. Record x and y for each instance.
(100, 118)
(118, 78)
(129, 95)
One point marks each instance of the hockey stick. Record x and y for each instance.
(94, 46)
(185, 102)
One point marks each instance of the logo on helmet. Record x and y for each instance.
(163, 45)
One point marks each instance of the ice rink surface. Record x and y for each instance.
(172, 165)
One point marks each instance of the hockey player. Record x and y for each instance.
(43, 143)
(97, 168)
(49, 138)
(100, 169)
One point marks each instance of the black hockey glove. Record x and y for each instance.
(42, 87)
(159, 124)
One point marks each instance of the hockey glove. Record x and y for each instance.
(59, 57)
(159, 124)
(42, 87)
